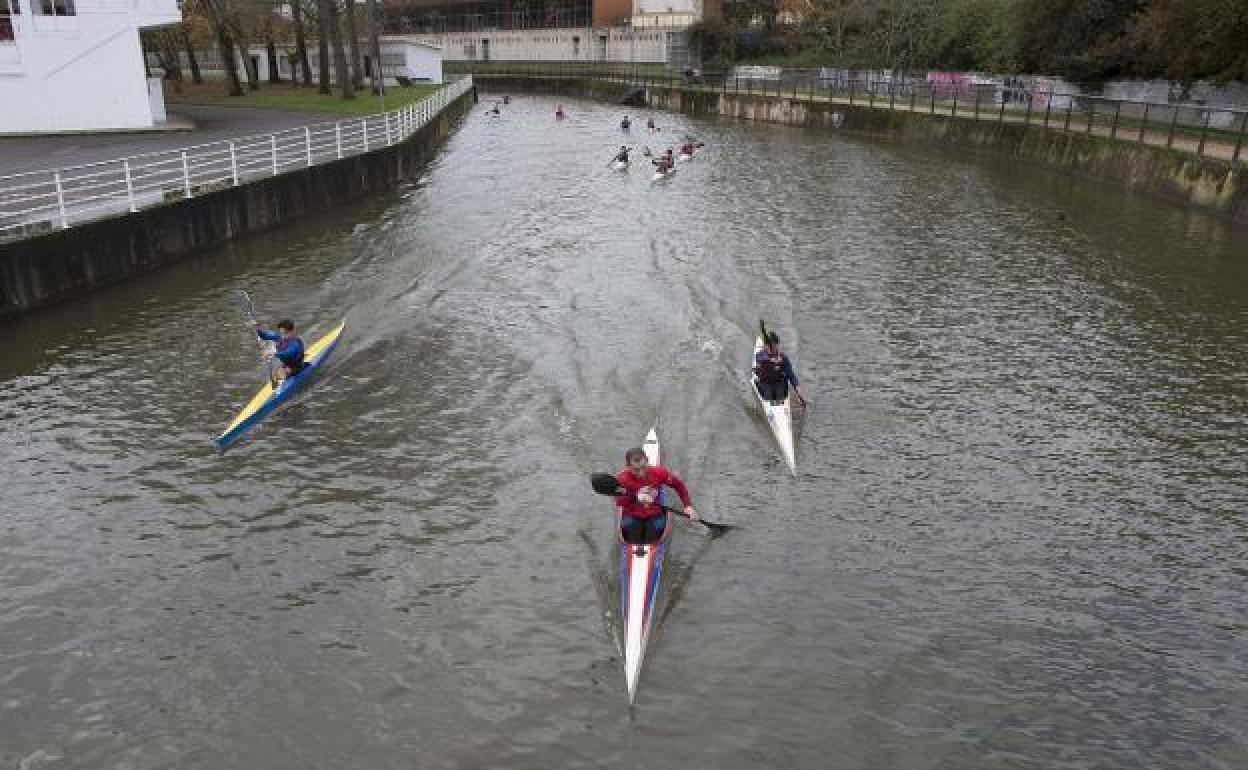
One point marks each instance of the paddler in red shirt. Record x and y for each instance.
(642, 519)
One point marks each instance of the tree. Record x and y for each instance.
(323, 18)
(357, 62)
(340, 54)
(374, 46)
(301, 45)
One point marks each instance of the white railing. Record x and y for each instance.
(38, 201)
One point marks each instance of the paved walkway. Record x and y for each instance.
(213, 123)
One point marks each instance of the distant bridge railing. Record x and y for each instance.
(1202, 130)
(38, 201)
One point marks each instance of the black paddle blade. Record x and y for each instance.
(715, 528)
(604, 483)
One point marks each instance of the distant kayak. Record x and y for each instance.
(619, 165)
(685, 157)
(268, 399)
(660, 175)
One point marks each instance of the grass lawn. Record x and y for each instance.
(284, 96)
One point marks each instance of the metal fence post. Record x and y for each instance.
(1091, 115)
(273, 147)
(1113, 128)
(1001, 112)
(1140, 139)
(892, 95)
(932, 92)
(1174, 120)
(1070, 103)
(307, 143)
(60, 199)
(1204, 131)
(871, 95)
(914, 93)
(186, 175)
(338, 138)
(851, 92)
(1027, 114)
(1048, 108)
(233, 164)
(954, 113)
(386, 117)
(129, 186)
(977, 103)
(1239, 143)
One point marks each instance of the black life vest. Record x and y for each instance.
(770, 369)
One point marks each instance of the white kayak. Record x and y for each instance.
(660, 175)
(641, 567)
(619, 165)
(685, 157)
(779, 415)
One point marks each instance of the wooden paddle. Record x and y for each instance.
(605, 484)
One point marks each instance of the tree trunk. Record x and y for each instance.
(340, 53)
(275, 76)
(322, 45)
(249, 67)
(190, 55)
(374, 46)
(301, 45)
(225, 45)
(357, 60)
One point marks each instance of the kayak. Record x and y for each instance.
(269, 399)
(641, 567)
(619, 165)
(686, 157)
(779, 416)
(658, 175)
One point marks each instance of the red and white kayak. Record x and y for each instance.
(641, 567)
(661, 175)
(779, 415)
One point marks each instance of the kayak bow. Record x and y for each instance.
(641, 567)
(779, 416)
(269, 399)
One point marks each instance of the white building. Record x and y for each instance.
(77, 65)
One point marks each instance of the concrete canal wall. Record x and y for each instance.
(1218, 186)
(63, 264)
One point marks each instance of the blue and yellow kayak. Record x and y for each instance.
(269, 399)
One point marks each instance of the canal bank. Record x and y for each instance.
(1211, 184)
(61, 264)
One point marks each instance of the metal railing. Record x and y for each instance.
(38, 201)
(1202, 130)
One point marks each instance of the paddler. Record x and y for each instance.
(289, 348)
(622, 155)
(642, 519)
(625, 123)
(650, 124)
(559, 112)
(665, 162)
(686, 148)
(774, 371)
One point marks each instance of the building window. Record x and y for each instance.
(8, 9)
(55, 7)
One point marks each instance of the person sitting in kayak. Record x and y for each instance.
(642, 519)
(625, 123)
(650, 123)
(686, 148)
(494, 110)
(506, 100)
(559, 111)
(289, 348)
(774, 372)
(622, 155)
(665, 162)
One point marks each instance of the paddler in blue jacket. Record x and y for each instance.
(289, 347)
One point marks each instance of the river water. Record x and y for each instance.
(1018, 538)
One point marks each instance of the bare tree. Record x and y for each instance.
(340, 53)
(374, 45)
(357, 62)
(301, 45)
(323, 18)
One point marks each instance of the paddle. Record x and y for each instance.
(266, 359)
(605, 484)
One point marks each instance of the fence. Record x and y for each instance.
(38, 201)
(1205, 131)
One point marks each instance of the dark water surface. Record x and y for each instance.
(1019, 538)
